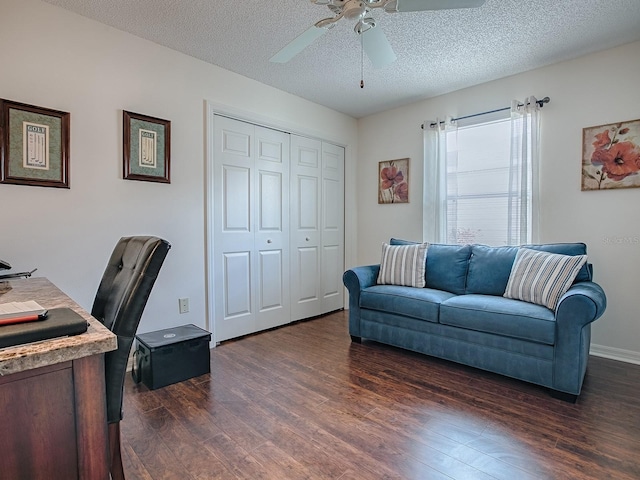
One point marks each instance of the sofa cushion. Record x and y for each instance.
(490, 267)
(542, 277)
(403, 265)
(447, 265)
(399, 241)
(421, 303)
(501, 316)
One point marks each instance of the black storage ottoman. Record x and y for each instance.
(172, 355)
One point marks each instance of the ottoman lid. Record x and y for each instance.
(168, 336)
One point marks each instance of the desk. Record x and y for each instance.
(52, 396)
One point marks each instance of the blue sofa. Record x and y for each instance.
(462, 316)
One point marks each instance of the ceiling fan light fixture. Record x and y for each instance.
(364, 25)
(354, 9)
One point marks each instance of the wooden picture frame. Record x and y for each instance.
(611, 156)
(34, 145)
(393, 181)
(146, 148)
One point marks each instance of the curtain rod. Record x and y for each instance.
(539, 102)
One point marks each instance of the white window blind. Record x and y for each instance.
(478, 183)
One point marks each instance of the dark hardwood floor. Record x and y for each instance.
(303, 402)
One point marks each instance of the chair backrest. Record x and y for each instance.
(122, 295)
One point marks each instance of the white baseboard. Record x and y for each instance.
(619, 354)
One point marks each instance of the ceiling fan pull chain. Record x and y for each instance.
(361, 62)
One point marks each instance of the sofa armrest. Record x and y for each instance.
(583, 303)
(357, 279)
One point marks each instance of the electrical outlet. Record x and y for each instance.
(183, 305)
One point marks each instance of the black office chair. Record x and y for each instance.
(119, 303)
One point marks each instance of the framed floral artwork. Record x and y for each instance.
(393, 181)
(611, 156)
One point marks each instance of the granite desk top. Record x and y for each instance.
(97, 339)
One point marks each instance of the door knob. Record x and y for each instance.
(306, 239)
(269, 241)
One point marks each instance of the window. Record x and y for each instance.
(477, 178)
(480, 183)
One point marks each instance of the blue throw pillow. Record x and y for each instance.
(446, 265)
(397, 241)
(489, 269)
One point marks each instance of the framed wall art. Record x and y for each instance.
(147, 148)
(393, 181)
(611, 156)
(34, 145)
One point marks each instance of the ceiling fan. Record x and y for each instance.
(374, 41)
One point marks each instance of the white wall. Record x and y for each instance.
(56, 59)
(593, 90)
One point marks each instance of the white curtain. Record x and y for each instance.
(523, 173)
(439, 148)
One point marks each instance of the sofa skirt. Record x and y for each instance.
(516, 358)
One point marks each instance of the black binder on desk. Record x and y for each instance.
(60, 322)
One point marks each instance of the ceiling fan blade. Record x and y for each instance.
(377, 47)
(298, 44)
(422, 5)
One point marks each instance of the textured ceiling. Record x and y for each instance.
(438, 51)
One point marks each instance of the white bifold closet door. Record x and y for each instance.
(317, 227)
(251, 228)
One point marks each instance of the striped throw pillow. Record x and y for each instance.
(403, 265)
(542, 277)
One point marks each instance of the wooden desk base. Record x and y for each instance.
(54, 422)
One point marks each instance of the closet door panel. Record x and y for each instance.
(237, 285)
(271, 279)
(271, 205)
(306, 287)
(272, 228)
(236, 141)
(307, 153)
(332, 273)
(332, 227)
(233, 249)
(308, 208)
(236, 198)
(307, 275)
